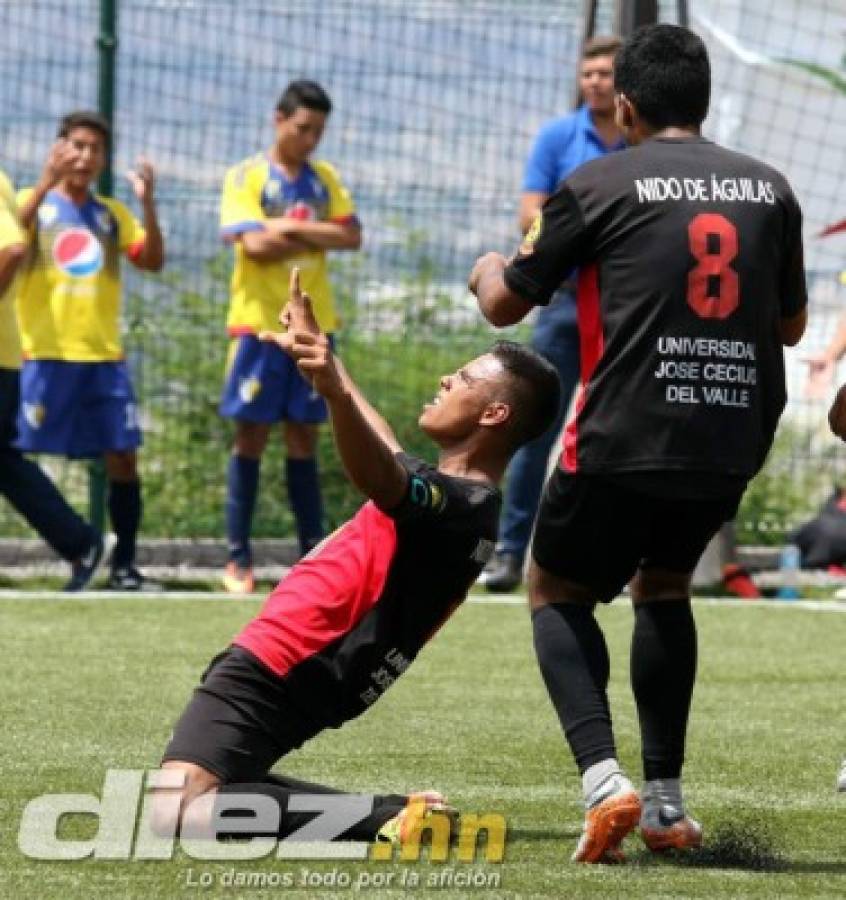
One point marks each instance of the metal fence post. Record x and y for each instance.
(106, 53)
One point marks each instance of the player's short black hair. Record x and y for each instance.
(534, 390)
(304, 93)
(664, 70)
(85, 118)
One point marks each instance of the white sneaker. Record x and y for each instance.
(841, 779)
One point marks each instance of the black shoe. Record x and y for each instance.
(505, 574)
(85, 568)
(128, 578)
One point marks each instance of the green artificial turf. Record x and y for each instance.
(96, 684)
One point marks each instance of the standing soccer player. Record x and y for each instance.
(22, 482)
(691, 280)
(279, 208)
(76, 396)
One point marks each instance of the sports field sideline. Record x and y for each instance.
(94, 683)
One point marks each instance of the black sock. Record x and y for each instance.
(663, 669)
(125, 513)
(280, 789)
(306, 501)
(573, 660)
(242, 479)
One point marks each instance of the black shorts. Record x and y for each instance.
(597, 531)
(239, 721)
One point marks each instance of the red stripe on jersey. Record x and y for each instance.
(591, 348)
(326, 595)
(240, 330)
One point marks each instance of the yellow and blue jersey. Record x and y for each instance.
(69, 288)
(255, 190)
(10, 233)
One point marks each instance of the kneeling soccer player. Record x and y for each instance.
(353, 614)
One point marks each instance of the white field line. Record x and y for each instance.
(499, 600)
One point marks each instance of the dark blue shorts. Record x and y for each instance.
(77, 409)
(263, 384)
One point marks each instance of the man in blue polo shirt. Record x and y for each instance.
(562, 145)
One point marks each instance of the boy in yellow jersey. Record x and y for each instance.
(22, 482)
(279, 209)
(76, 396)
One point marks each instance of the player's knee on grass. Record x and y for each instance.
(660, 584)
(173, 806)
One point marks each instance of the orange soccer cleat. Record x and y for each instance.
(607, 821)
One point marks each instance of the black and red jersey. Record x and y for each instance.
(353, 614)
(689, 256)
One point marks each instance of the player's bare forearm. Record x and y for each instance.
(367, 457)
(59, 163)
(837, 346)
(531, 203)
(365, 442)
(320, 235)
(265, 246)
(28, 210)
(10, 259)
(374, 419)
(497, 302)
(151, 257)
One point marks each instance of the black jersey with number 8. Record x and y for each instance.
(689, 255)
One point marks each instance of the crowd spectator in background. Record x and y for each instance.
(77, 399)
(22, 482)
(279, 209)
(562, 145)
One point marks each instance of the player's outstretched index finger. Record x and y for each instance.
(301, 315)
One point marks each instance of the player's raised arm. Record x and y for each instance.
(150, 256)
(365, 442)
(59, 163)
